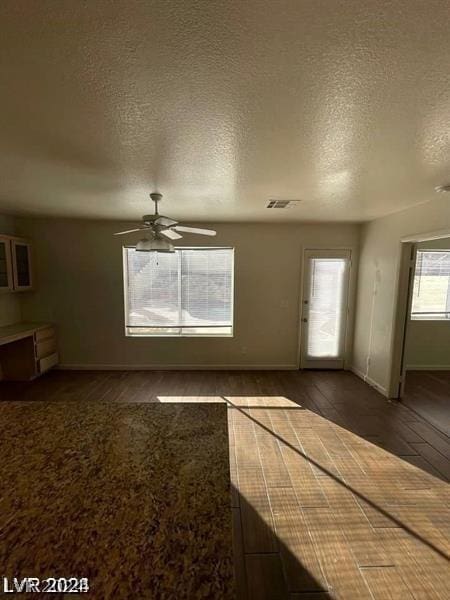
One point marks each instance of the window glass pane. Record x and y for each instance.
(153, 289)
(431, 291)
(188, 292)
(206, 287)
(325, 307)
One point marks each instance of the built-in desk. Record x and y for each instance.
(27, 350)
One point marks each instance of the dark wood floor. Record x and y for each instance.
(336, 492)
(428, 393)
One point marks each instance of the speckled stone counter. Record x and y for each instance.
(133, 496)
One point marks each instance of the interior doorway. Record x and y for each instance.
(423, 376)
(325, 308)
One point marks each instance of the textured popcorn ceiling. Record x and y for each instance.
(222, 105)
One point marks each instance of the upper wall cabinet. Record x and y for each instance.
(21, 259)
(16, 273)
(6, 273)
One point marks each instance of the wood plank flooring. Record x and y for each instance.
(428, 393)
(336, 492)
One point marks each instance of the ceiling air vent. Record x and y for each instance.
(282, 203)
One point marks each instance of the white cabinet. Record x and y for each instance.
(16, 272)
(6, 271)
(21, 261)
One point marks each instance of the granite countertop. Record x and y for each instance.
(134, 497)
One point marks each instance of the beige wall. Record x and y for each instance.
(377, 284)
(428, 342)
(9, 302)
(80, 288)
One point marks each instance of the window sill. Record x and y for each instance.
(433, 319)
(179, 336)
(208, 331)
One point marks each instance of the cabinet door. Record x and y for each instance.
(6, 278)
(22, 268)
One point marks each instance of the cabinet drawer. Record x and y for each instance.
(46, 347)
(44, 334)
(48, 362)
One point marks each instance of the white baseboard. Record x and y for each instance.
(428, 367)
(357, 372)
(182, 367)
(370, 381)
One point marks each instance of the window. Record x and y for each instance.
(185, 293)
(431, 293)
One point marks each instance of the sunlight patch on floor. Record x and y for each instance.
(351, 504)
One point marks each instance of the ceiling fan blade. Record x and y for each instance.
(129, 231)
(195, 230)
(171, 234)
(165, 221)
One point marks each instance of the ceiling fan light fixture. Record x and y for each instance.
(155, 244)
(144, 245)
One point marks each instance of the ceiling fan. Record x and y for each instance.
(163, 230)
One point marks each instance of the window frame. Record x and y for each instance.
(178, 335)
(428, 316)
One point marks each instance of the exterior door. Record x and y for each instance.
(325, 308)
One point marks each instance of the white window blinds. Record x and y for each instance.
(326, 307)
(188, 292)
(431, 292)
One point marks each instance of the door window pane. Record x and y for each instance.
(326, 307)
